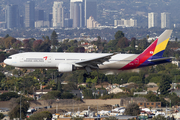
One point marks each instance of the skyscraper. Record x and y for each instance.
(165, 20)
(30, 14)
(90, 9)
(58, 14)
(39, 15)
(77, 13)
(12, 16)
(50, 19)
(152, 20)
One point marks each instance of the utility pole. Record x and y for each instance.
(20, 107)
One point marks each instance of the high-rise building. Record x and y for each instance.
(90, 8)
(68, 23)
(50, 19)
(126, 23)
(30, 14)
(40, 15)
(91, 23)
(152, 19)
(21, 20)
(165, 20)
(12, 16)
(58, 14)
(77, 13)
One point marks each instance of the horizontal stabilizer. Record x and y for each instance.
(160, 59)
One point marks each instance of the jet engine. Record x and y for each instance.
(66, 68)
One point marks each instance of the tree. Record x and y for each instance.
(15, 110)
(17, 44)
(152, 97)
(88, 94)
(67, 95)
(2, 57)
(36, 45)
(45, 47)
(52, 95)
(1, 116)
(133, 43)
(60, 49)
(159, 117)
(164, 85)
(9, 41)
(26, 44)
(135, 79)
(122, 43)
(132, 109)
(41, 115)
(119, 34)
(7, 96)
(54, 38)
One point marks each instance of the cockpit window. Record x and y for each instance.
(9, 58)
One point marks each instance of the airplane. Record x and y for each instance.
(68, 62)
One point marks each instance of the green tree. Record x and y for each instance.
(133, 43)
(60, 49)
(132, 109)
(67, 95)
(1, 116)
(52, 95)
(164, 85)
(152, 97)
(88, 94)
(15, 111)
(54, 38)
(7, 96)
(135, 79)
(41, 115)
(174, 99)
(119, 34)
(59, 86)
(159, 117)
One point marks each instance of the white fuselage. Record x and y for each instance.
(52, 60)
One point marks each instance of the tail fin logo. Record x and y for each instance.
(151, 52)
(45, 57)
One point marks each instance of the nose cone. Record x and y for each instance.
(6, 62)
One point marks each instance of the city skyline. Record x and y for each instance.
(76, 16)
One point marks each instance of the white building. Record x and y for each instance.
(176, 63)
(152, 19)
(165, 20)
(58, 14)
(125, 23)
(91, 23)
(41, 23)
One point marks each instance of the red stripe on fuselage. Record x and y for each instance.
(141, 58)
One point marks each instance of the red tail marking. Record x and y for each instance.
(45, 57)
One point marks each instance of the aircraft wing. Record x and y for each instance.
(92, 63)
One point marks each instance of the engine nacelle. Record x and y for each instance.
(66, 67)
